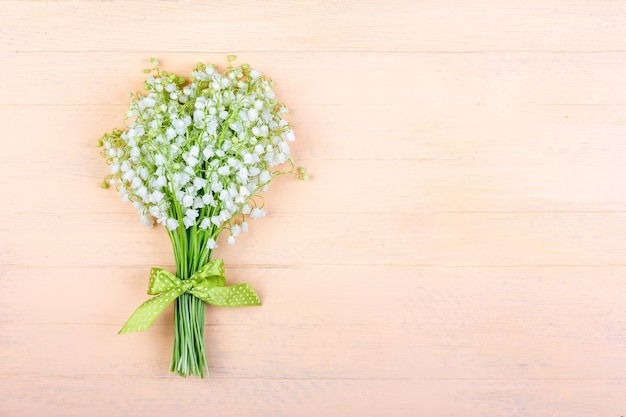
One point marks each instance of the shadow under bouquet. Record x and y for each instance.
(194, 156)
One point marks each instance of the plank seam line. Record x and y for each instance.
(113, 377)
(306, 266)
(322, 51)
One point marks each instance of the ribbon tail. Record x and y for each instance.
(233, 296)
(147, 313)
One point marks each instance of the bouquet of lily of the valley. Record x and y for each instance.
(194, 156)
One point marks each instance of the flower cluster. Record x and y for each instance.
(196, 151)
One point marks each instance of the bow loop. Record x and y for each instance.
(213, 268)
(162, 281)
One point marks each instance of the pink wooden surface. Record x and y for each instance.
(458, 251)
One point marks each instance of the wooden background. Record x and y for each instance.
(458, 251)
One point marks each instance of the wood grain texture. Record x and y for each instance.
(402, 25)
(458, 251)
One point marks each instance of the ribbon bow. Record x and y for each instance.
(208, 284)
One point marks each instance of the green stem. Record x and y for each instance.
(188, 352)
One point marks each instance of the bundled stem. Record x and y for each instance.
(189, 353)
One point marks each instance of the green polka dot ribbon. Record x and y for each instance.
(208, 284)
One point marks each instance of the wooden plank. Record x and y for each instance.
(590, 297)
(393, 350)
(517, 135)
(450, 239)
(426, 25)
(363, 187)
(110, 397)
(68, 397)
(337, 79)
(569, 160)
(244, 351)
